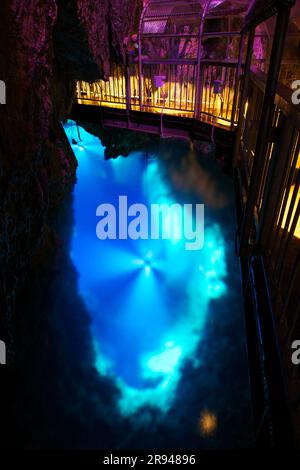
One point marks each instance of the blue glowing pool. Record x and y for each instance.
(149, 300)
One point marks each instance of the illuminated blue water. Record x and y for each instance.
(148, 299)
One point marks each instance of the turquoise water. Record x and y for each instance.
(149, 300)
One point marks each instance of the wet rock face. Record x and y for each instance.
(123, 12)
(81, 38)
(89, 34)
(44, 46)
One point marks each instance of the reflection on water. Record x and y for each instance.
(148, 299)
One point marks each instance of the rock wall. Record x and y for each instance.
(44, 46)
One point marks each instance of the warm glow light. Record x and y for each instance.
(284, 221)
(171, 99)
(246, 109)
(208, 423)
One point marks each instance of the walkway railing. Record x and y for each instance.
(169, 87)
(274, 221)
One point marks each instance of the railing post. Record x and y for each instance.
(274, 185)
(140, 65)
(128, 87)
(265, 124)
(140, 79)
(291, 288)
(199, 80)
(244, 95)
(237, 80)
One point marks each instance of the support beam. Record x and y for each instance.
(140, 54)
(237, 79)
(265, 127)
(128, 87)
(244, 95)
(199, 76)
(263, 11)
(279, 166)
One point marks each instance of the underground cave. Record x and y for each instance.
(127, 333)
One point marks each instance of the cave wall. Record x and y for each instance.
(45, 45)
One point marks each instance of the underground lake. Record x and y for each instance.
(166, 324)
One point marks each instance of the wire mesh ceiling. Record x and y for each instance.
(155, 9)
(172, 29)
(168, 16)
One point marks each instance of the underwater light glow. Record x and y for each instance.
(166, 361)
(147, 270)
(148, 299)
(208, 423)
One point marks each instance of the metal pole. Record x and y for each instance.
(128, 88)
(279, 166)
(292, 282)
(198, 99)
(237, 80)
(244, 95)
(140, 55)
(265, 123)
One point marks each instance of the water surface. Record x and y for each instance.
(154, 305)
